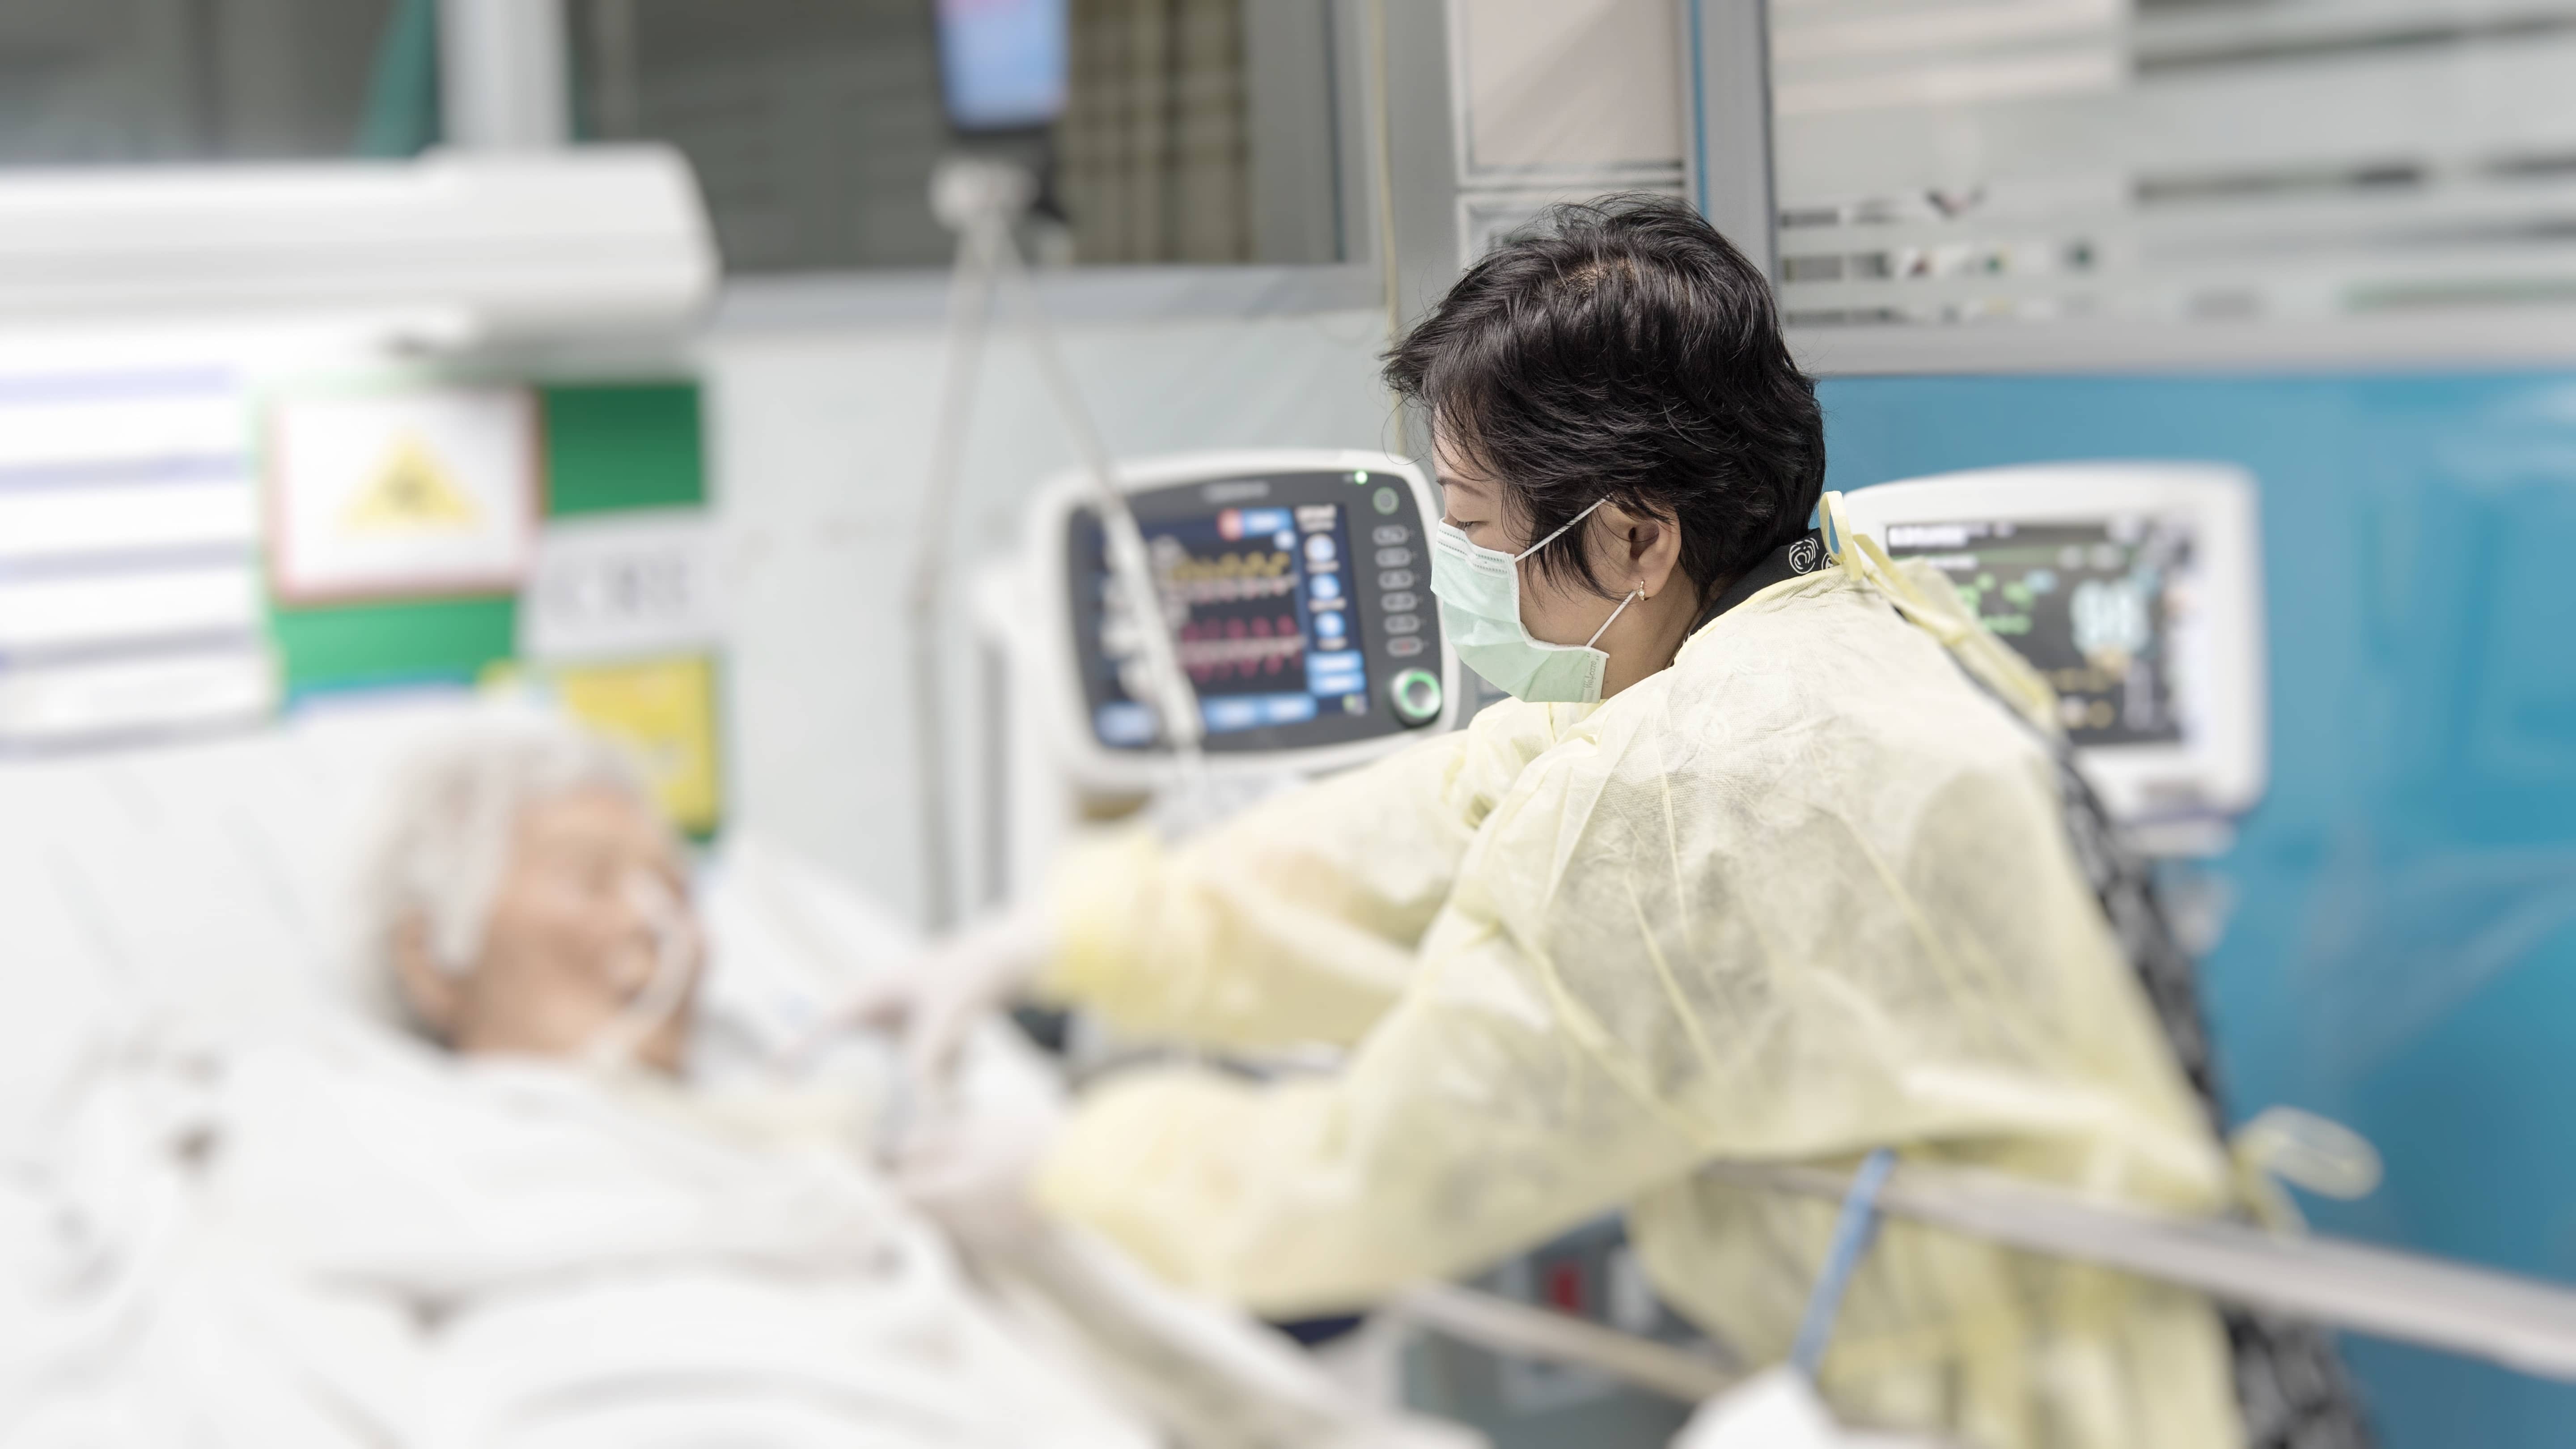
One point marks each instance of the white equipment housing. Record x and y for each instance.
(2138, 589)
(1071, 743)
(456, 248)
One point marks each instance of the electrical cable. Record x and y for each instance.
(982, 200)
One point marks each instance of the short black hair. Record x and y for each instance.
(1623, 349)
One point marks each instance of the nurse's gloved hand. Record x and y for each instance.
(970, 1170)
(938, 999)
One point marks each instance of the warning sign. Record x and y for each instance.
(424, 492)
(413, 491)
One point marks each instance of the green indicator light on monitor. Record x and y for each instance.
(1416, 696)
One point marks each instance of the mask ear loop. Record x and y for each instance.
(1560, 533)
(1633, 596)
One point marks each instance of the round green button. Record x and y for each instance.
(1416, 696)
(1386, 501)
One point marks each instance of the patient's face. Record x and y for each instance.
(568, 946)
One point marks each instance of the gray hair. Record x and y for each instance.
(443, 844)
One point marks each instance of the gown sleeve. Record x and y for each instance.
(1293, 922)
(1482, 1112)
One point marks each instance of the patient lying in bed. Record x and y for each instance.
(517, 1226)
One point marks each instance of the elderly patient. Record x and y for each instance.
(530, 902)
(530, 1231)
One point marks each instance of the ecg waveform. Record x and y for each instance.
(1240, 648)
(1231, 591)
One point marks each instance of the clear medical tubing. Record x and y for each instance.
(981, 201)
(674, 951)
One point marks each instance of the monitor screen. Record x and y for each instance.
(1266, 626)
(2101, 608)
(1003, 63)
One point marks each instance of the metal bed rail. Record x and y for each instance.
(2522, 1323)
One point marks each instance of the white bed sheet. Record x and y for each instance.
(214, 1226)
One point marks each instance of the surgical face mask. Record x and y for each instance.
(1479, 590)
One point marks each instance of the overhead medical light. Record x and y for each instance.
(449, 250)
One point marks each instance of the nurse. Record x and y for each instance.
(1766, 861)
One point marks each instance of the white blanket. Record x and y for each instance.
(327, 1235)
(330, 1237)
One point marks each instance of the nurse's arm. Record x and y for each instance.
(1292, 922)
(1469, 1125)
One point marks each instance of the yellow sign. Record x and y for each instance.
(663, 711)
(422, 491)
(412, 493)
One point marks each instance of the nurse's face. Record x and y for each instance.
(569, 945)
(1555, 610)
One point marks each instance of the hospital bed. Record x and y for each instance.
(161, 895)
(216, 879)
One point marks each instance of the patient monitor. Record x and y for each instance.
(1297, 588)
(2136, 589)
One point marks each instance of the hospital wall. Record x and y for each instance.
(2399, 931)
(820, 451)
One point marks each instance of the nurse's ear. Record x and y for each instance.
(1635, 551)
(432, 994)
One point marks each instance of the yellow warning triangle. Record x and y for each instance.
(412, 492)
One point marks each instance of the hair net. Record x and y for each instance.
(445, 838)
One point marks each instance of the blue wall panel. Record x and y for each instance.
(2400, 948)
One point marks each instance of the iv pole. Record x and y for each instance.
(981, 201)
